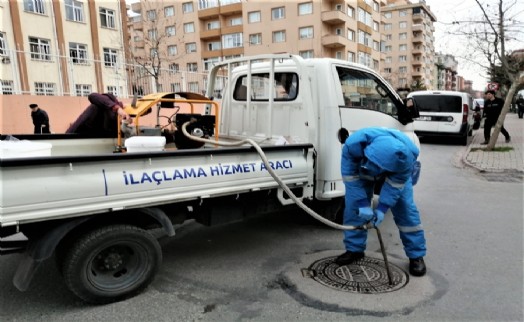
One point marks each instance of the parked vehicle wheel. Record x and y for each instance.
(464, 139)
(111, 263)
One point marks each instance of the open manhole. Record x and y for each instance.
(365, 276)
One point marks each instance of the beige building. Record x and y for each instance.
(62, 48)
(192, 35)
(409, 44)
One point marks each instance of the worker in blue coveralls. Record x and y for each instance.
(369, 155)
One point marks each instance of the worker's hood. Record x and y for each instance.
(390, 154)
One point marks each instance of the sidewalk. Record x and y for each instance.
(510, 161)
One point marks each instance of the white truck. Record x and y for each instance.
(94, 205)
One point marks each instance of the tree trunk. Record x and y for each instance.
(505, 110)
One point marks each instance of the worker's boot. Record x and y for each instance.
(417, 267)
(349, 258)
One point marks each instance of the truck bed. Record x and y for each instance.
(84, 176)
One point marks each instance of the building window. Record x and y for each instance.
(7, 87)
(193, 87)
(279, 36)
(387, 15)
(403, 69)
(403, 35)
(189, 27)
(402, 13)
(255, 39)
(83, 89)
(351, 35)
(40, 49)
(376, 45)
(253, 17)
(170, 31)
(305, 8)
(214, 45)
(191, 47)
(152, 34)
(110, 56)
(36, 6)
(107, 18)
(351, 56)
(175, 87)
(387, 70)
(389, 59)
(210, 62)
(364, 38)
(402, 25)
(235, 21)
(375, 26)
(364, 59)
(402, 58)
(351, 12)
(187, 7)
(74, 10)
(192, 67)
(403, 47)
(388, 48)
(278, 13)
(172, 50)
(365, 17)
(3, 47)
(338, 55)
(78, 53)
(169, 11)
(232, 41)
(306, 54)
(173, 67)
(213, 25)
(153, 52)
(112, 90)
(387, 26)
(375, 6)
(389, 37)
(305, 32)
(44, 89)
(151, 15)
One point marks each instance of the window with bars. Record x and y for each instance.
(45, 89)
(110, 57)
(74, 10)
(36, 6)
(7, 87)
(40, 49)
(78, 53)
(107, 18)
(83, 89)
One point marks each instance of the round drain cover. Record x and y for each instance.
(367, 275)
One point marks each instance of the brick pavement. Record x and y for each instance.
(489, 161)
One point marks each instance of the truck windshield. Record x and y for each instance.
(365, 91)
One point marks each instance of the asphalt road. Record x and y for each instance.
(251, 271)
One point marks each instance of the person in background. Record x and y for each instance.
(100, 117)
(40, 119)
(371, 155)
(492, 108)
(520, 106)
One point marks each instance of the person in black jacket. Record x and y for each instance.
(492, 108)
(40, 119)
(100, 117)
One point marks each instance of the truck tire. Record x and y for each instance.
(111, 263)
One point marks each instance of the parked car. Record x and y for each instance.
(478, 110)
(444, 113)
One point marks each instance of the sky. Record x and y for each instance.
(447, 11)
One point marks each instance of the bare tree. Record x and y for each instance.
(153, 45)
(488, 37)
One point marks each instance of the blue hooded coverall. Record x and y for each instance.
(370, 154)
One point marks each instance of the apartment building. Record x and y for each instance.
(192, 35)
(409, 44)
(63, 48)
(447, 72)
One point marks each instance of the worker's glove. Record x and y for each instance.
(379, 217)
(366, 213)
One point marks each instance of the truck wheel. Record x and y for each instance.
(111, 263)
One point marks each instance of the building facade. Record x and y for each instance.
(64, 48)
(409, 44)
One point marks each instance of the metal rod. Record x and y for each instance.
(383, 250)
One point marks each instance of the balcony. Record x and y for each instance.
(207, 34)
(231, 9)
(334, 17)
(208, 13)
(417, 50)
(333, 41)
(417, 18)
(417, 27)
(416, 73)
(417, 62)
(418, 39)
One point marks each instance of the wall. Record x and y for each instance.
(15, 114)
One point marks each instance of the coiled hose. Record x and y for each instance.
(284, 187)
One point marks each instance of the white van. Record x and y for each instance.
(444, 113)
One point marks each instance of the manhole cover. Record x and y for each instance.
(367, 275)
